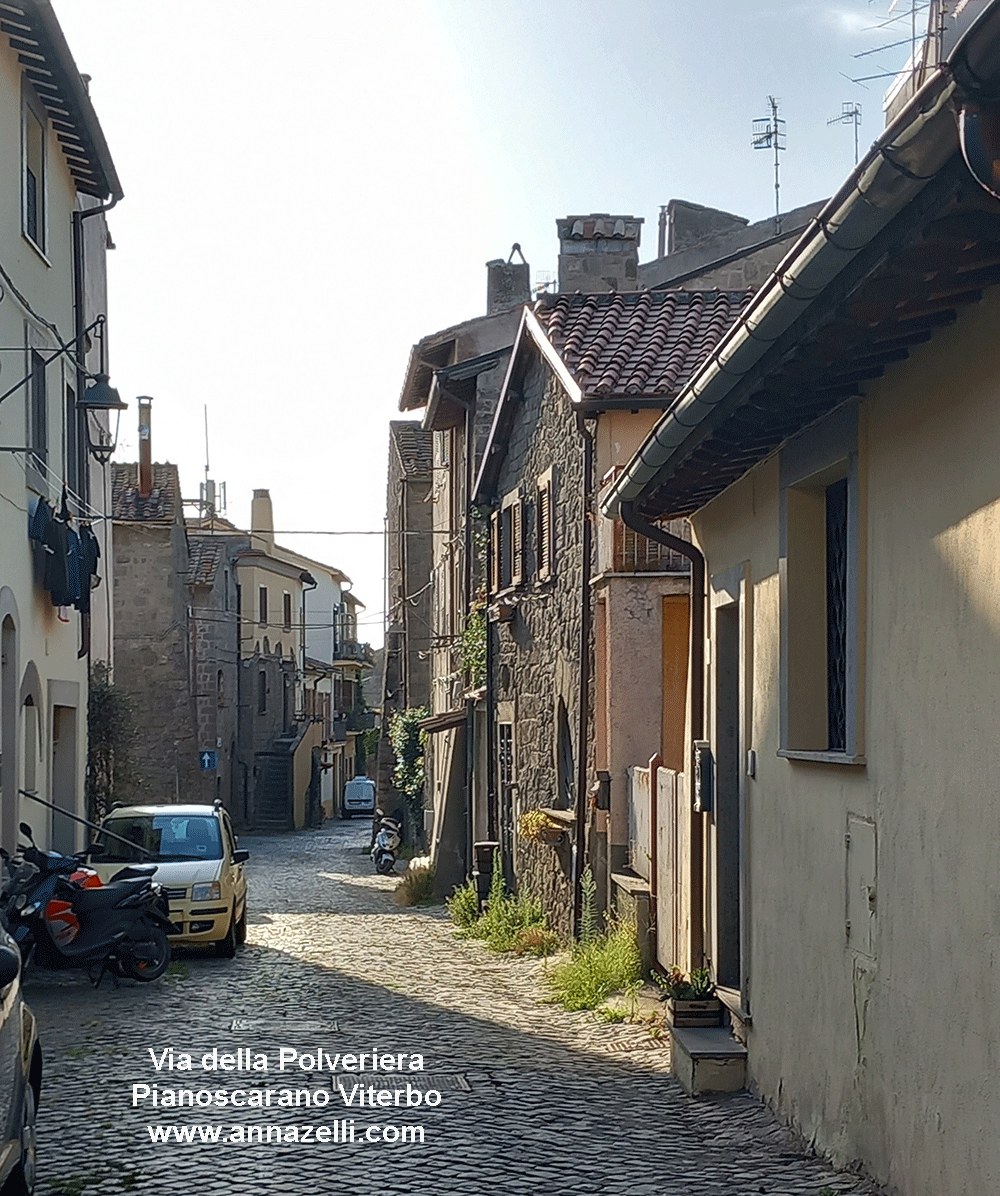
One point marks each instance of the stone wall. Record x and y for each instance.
(536, 667)
(152, 661)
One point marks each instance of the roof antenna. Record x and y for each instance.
(850, 114)
(768, 132)
(212, 500)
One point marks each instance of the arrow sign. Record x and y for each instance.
(208, 760)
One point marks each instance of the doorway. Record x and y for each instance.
(728, 829)
(64, 770)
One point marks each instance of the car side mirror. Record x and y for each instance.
(10, 965)
(241, 856)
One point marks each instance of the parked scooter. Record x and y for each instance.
(59, 917)
(388, 837)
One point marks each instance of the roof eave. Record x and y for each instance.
(911, 151)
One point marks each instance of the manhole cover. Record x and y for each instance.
(244, 1025)
(424, 1083)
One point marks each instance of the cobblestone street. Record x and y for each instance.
(534, 1099)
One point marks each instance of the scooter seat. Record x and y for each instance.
(85, 900)
(131, 871)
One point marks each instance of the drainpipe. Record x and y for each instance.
(80, 322)
(309, 583)
(632, 519)
(586, 622)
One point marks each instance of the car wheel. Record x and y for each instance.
(22, 1180)
(226, 948)
(153, 960)
(241, 927)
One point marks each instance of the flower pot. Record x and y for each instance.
(552, 835)
(683, 1011)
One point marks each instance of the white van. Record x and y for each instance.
(359, 797)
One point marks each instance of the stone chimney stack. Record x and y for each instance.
(262, 521)
(599, 252)
(145, 446)
(508, 283)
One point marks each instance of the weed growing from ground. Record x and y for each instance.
(463, 906)
(601, 963)
(415, 887)
(509, 923)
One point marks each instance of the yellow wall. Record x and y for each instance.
(891, 1060)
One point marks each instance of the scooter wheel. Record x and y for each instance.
(155, 955)
(384, 865)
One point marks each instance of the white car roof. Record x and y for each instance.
(171, 809)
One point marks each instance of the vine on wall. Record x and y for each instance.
(408, 742)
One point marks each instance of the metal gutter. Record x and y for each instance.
(910, 152)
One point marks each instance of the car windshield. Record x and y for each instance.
(163, 836)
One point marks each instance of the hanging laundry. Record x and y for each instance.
(90, 554)
(56, 541)
(38, 521)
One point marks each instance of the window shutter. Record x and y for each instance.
(494, 552)
(544, 531)
(517, 543)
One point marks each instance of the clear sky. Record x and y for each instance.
(311, 186)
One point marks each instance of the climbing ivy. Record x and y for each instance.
(111, 739)
(408, 742)
(474, 646)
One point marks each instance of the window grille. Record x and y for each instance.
(836, 614)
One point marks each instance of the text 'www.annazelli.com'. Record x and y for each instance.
(342, 1130)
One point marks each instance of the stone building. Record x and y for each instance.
(455, 376)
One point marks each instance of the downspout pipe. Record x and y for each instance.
(79, 330)
(586, 627)
(696, 670)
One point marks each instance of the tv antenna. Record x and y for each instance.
(850, 113)
(768, 132)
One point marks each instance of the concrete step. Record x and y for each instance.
(708, 1059)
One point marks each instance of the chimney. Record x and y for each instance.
(262, 520)
(599, 252)
(145, 447)
(508, 283)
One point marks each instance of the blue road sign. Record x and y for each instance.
(208, 760)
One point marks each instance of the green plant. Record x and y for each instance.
(408, 742)
(463, 906)
(509, 922)
(473, 646)
(696, 987)
(111, 740)
(588, 908)
(607, 963)
(415, 886)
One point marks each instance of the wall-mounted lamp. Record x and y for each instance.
(98, 397)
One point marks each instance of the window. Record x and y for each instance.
(820, 572)
(220, 688)
(38, 413)
(543, 526)
(507, 544)
(71, 470)
(262, 692)
(262, 606)
(33, 157)
(286, 604)
(634, 553)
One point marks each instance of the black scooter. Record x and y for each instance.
(119, 927)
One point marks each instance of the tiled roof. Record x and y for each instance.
(204, 555)
(638, 342)
(414, 446)
(163, 504)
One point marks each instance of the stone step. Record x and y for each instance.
(708, 1059)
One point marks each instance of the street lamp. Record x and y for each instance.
(100, 396)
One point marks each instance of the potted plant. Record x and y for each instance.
(691, 1000)
(537, 827)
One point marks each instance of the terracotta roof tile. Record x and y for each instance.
(164, 502)
(618, 345)
(414, 445)
(204, 555)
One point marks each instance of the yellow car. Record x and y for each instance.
(198, 866)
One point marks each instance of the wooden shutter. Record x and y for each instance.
(544, 528)
(516, 543)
